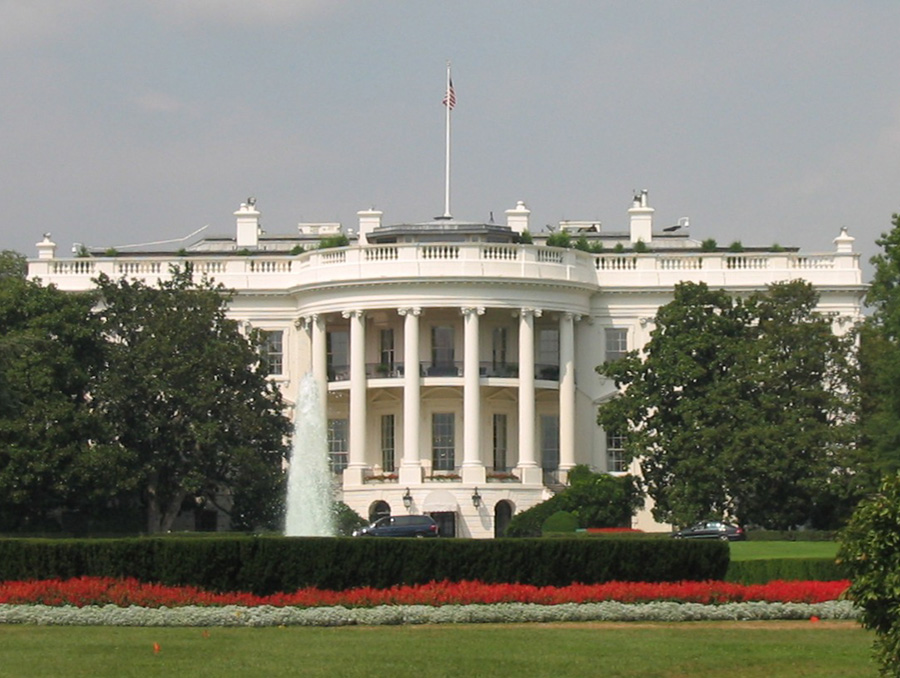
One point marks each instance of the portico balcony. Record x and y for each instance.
(487, 370)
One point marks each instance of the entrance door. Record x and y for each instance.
(446, 521)
(502, 516)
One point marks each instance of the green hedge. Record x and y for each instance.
(764, 570)
(266, 565)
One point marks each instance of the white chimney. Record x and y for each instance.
(641, 219)
(844, 242)
(247, 224)
(369, 220)
(46, 248)
(517, 218)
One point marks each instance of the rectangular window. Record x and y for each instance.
(387, 443)
(271, 350)
(547, 355)
(500, 442)
(387, 349)
(337, 444)
(337, 346)
(442, 356)
(498, 348)
(615, 453)
(549, 442)
(616, 343)
(443, 443)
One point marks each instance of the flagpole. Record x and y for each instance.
(448, 104)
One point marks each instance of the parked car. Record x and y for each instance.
(400, 526)
(711, 529)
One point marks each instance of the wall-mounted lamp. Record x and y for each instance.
(476, 499)
(407, 499)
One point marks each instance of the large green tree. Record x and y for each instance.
(57, 460)
(738, 407)
(880, 360)
(190, 401)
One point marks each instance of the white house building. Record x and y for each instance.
(456, 360)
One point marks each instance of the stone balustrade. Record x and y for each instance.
(464, 260)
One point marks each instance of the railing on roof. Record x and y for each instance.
(464, 260)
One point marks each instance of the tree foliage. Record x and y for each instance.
(738, 408)
(189, 401)
(595, 499)
(880, 360)
(56, 454)
(870, 554)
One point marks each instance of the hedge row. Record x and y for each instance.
(265, 565)
(787, 569)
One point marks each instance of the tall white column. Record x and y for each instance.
(319, 359)
(528, 468)
(566, 394)
(410, 464)
(353, 474)
(473, 465)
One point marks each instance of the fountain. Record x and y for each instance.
(309, 493)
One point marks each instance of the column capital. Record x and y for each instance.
(569, 315)
(526, 311)
(647, 320)
(469, 310)
(410, 310)
(355, 313)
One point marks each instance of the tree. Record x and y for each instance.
(190, 401)
(870, 555)
(595, 499)
(57, 459)
(880, 360)
(737, 408)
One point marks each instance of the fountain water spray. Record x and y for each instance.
(309, 494)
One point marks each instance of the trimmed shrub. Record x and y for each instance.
(561, 521)
(265, 565)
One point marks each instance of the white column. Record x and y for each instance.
(566, 394)
(410, 464)
(473, 466)
(319, 359)
(528, 468)
(353, 474)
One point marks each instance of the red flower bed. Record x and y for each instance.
(100, 591)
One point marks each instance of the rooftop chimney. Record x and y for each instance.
(46, 248)
(247, 224)
(369, 220)
(517, 218)
(641, 218)
(844, 242)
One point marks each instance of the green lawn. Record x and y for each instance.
(758, 550)
(698, 650)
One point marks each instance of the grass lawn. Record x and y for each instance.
(757, 550)
(698, 650)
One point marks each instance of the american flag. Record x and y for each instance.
(450, 96)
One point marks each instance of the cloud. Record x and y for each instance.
(241, 12)
(158, 102)
(23, 22)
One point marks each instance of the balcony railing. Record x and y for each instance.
(486, 369)
(462, 260)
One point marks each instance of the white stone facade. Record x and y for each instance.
(457, 365)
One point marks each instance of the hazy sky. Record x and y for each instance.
(764, 121)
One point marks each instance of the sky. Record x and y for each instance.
(772, 121)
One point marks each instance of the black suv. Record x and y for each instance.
(400, 526)
(712, 529)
